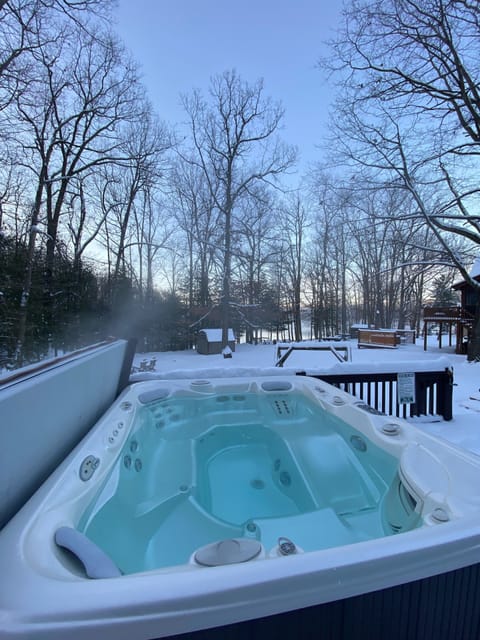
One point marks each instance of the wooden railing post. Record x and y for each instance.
(445, 395)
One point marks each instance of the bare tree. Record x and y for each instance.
(294, 223)
(26, 25)
(132, 220)
(71, 117)
(257, 241)
(144, 145)
(234, 145)
(421, 57)
(198, 219)
(153, 230)
(330, 258)
(408, 114)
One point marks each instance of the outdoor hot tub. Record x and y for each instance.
(195, 504)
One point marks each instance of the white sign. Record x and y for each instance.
(406, 388)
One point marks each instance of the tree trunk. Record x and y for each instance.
(226, 274)
(27, 279)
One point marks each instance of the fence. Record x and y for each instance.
(433, 391)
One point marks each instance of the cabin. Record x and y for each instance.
(455, 320)
(209, 341)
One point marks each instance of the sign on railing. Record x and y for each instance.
(406, 388)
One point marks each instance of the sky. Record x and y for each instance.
(181, 44)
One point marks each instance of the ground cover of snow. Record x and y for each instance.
(463, 430)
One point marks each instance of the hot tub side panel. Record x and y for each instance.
(442, 607)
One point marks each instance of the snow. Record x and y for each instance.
(475, 270)
(253, 360)
(215, 335)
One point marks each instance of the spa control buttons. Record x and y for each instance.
(88, 467)
(115, 434)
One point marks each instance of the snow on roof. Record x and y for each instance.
(475, 270)
(215, 335)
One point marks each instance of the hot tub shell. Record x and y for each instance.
(46, 595)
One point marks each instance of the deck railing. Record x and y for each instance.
(433, 391)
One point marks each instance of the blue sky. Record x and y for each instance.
(181, 44)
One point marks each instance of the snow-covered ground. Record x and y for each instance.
(463, 430)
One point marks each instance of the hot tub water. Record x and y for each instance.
(265, 466)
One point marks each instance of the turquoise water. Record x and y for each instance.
(201, 469)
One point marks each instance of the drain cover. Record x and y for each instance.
(228, 551)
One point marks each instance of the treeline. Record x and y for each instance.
(113, 222)
(81, 310)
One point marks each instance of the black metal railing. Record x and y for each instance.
(433, 391)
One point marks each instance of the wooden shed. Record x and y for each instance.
(209, 341)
